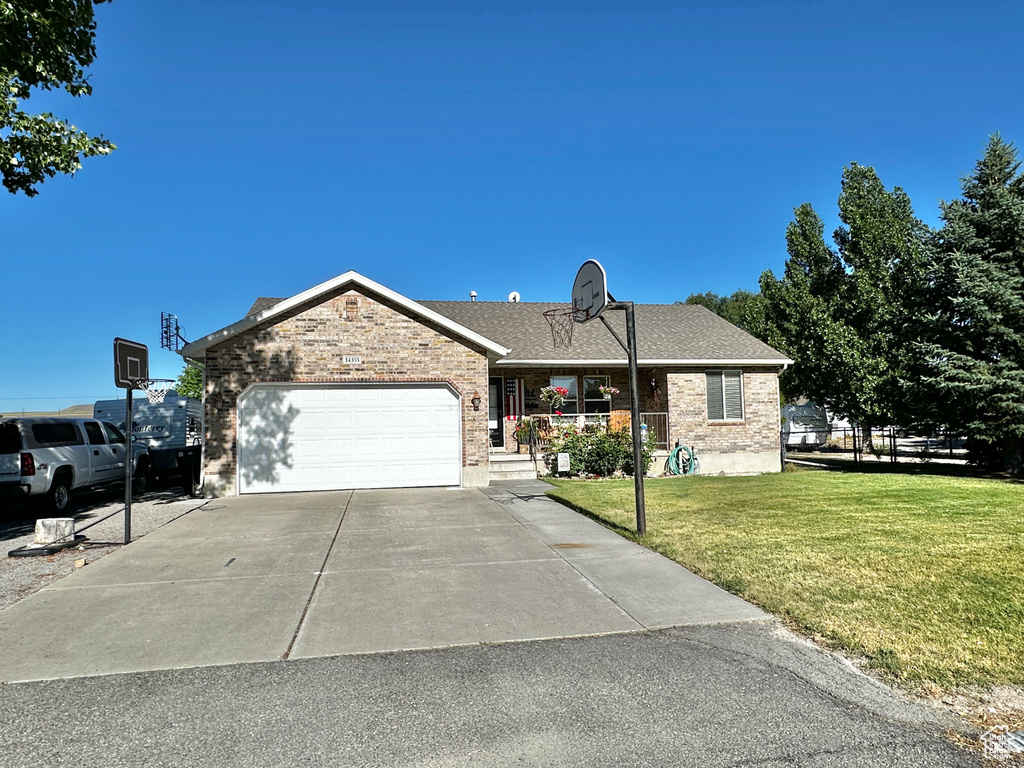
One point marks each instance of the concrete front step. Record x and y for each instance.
(511, 466)
(500, 477)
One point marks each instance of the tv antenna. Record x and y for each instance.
(172, 335)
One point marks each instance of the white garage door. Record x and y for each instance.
(319, 438)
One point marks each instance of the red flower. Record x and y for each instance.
(558, 413)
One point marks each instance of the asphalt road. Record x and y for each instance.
(722, 695)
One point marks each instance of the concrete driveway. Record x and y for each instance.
(286, 576)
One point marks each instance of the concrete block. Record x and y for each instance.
(475, 477)
(51, 529)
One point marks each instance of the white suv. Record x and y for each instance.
(50, 457)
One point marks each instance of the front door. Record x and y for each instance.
(495, 411)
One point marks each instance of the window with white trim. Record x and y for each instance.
(725, 395)
(594, 400)
(572, 402)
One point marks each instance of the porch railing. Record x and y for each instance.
(657, 422)
(579, 419)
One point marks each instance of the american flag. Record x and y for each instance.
(514, 405)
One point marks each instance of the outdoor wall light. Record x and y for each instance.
(476, 401)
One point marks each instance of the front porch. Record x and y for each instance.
(514, 394)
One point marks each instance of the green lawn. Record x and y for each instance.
(923, 576)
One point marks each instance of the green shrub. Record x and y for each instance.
(596, 451)
(607, 453)
(647, 451)
(568, 439)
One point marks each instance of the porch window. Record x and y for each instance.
(725, 395)
(593, 400)
(572, 401)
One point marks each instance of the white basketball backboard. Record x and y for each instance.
(589, 291)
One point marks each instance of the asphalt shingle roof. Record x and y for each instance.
(684, 332)
(663, 332)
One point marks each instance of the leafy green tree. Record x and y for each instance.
(44, 44)
(743, 309)
(803, 316)
(880, 246)
(839, 312)
(971, 310)
(190, 382)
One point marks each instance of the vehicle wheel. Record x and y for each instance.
(59, 496)
(141, 480)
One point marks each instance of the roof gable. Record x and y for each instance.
(264, 310)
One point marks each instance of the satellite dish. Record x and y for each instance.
(513, 298)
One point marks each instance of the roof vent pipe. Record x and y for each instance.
(472, 295)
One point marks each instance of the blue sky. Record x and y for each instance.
(438, 148)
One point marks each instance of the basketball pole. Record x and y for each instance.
(128, 466)
(634, 409)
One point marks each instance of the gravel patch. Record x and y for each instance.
(21, 576)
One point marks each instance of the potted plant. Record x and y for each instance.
(526, 434)
(525, 431)
(608, 391)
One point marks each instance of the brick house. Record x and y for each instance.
(351, 385)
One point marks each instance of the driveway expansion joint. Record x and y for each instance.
(316, 582)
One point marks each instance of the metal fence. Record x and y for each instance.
(889, 444)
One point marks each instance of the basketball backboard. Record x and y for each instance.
(131, 363)
(589, 291)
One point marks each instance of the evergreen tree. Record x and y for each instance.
(971, 310)
(801, 313)
(880, 247)
(839, 313)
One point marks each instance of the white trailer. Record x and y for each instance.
(805, 425)
(173, 431)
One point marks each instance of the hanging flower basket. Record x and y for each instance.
(608, 391)
(554, 396)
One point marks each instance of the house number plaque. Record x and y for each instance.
(351, 359)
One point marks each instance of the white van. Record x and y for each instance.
(173, 431)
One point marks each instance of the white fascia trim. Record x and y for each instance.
(622, 363)
(198, 348)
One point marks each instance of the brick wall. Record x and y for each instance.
(307, 346)
(758, 433)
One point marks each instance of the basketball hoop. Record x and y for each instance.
(156, 389)
(562, 320)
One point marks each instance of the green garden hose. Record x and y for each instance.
(683, 461)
